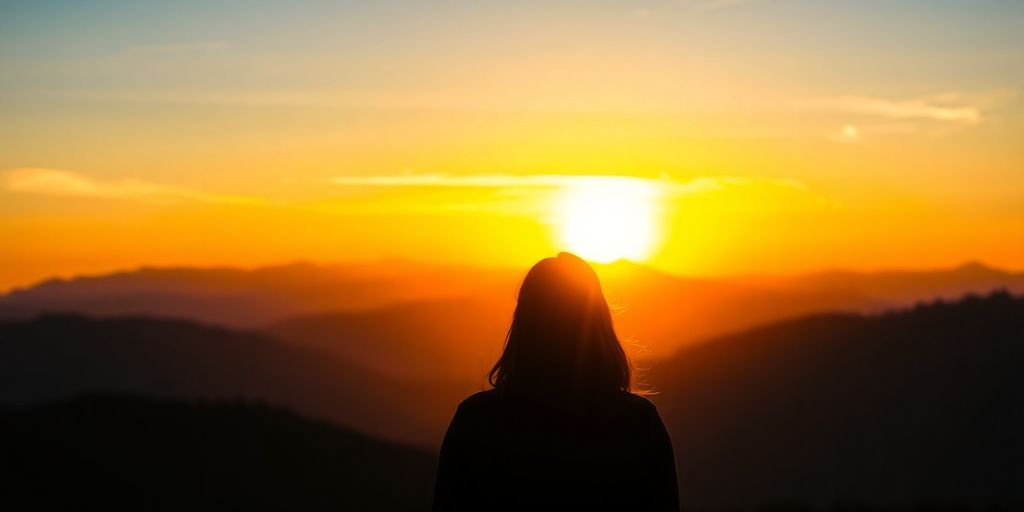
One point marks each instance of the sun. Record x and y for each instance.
(604, 219)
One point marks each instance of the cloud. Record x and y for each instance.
(847, 133)
(403, 193)
(951, 107)
(517, 181)
(54, 182)
(906, 109)
(537, 196)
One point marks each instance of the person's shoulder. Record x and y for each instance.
(637, 402)
(479, 400)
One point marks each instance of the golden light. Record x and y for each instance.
(608, 218)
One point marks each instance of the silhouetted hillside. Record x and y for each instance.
(398, 310)
(917, 408)
(454, 337)
(127, 453)
(461, 337)
(57, 356)
(922, 407)
(897, 287)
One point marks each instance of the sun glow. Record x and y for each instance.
(609, 218)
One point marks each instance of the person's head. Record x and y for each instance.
(562, 337)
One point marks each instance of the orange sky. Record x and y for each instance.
(769, 136)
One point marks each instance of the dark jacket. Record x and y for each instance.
(512, 452)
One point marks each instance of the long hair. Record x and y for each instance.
(562, 338)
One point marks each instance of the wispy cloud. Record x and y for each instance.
(506, 193)
(514, 181)
(951, 107)
(55, 182)
(537, 196)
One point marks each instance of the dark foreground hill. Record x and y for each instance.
(129, 453)
(58, 356)
(921, 408)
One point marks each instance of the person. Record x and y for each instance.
(562, 427)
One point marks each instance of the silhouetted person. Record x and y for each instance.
(561, 428)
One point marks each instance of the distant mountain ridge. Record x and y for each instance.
(410, 340)
(903, 287)
(247, 298)
(408, 320)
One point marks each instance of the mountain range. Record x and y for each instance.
(410, 320)
(909, 408)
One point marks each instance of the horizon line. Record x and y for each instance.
(749, 276)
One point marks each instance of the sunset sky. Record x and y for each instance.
(727, 136)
